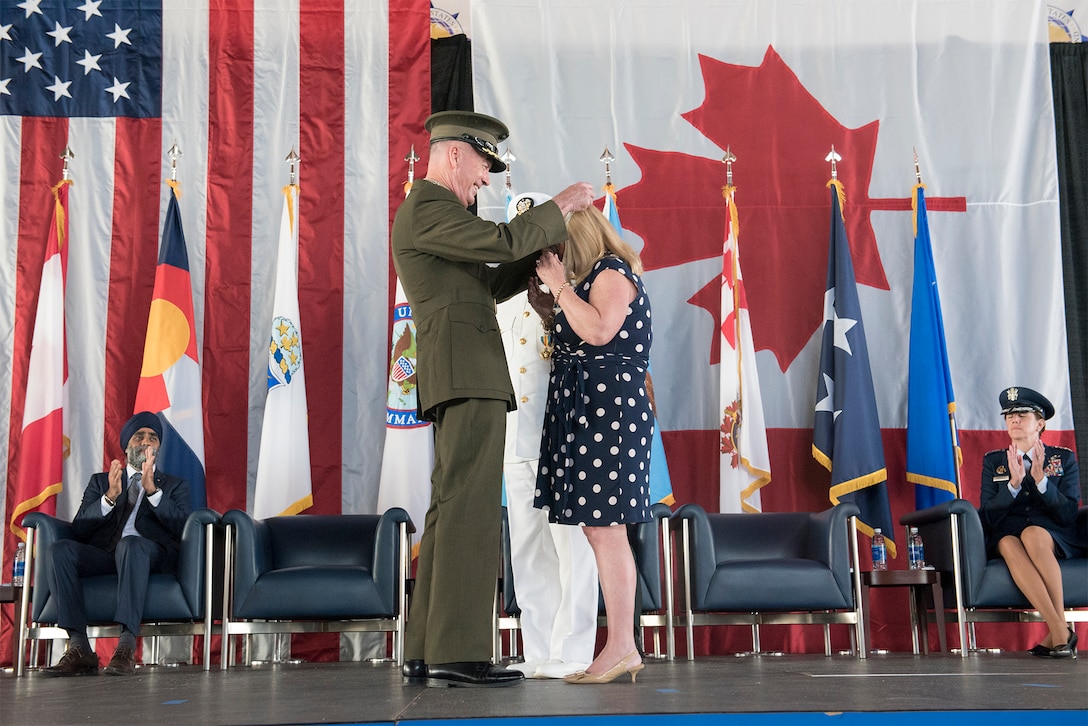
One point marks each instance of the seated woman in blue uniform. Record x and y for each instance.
(1028, 506)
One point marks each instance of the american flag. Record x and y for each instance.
(236, 85)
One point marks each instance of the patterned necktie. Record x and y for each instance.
(133, 490)
(132, 494)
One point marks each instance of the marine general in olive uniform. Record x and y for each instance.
(441, 252)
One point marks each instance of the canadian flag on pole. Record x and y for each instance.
(745, 464)
(44, 443)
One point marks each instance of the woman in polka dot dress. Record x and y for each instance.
(595, 448)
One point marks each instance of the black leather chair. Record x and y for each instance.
(177, 604)
(770, 568)
(977, 589)
(316, 573)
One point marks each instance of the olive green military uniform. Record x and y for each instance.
(440, 251)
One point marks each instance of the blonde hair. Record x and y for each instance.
(592, 236)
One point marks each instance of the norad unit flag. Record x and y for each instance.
(846, 429)
(170, 382)
(283, 466)
(932, 439)
(660, 481)
(44, 443)
(745, 464)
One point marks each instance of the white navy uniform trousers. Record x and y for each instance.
(555, 572)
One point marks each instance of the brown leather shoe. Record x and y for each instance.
(123, 662)
(74, 662)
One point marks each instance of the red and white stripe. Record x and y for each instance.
(244, 83)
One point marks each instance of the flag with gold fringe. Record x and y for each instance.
(846, 427)
(745, 464)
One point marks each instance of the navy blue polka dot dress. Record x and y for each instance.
(595, 449)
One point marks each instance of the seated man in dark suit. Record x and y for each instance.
(129, 523)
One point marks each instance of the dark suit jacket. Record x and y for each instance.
(162, 524)
(441, 251)
(1055, 511)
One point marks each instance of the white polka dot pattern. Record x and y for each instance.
(597, 401)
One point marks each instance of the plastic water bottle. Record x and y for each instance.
(880, 551)
(915, 552)
(19, 566)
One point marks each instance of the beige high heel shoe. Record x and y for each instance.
(581, 677)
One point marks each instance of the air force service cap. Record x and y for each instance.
(1018, 399)
(478, 130)
(524, 202)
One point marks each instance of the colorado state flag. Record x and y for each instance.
(170, 383)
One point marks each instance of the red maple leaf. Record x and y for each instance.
(780, 134)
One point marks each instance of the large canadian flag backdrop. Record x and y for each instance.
(670, 88)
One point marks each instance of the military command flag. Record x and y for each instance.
(745, 464)
(44, 442)
(846, 428)
(283, 483)
(170, 379)
(660, 481)
(932, 441)
(408, 457)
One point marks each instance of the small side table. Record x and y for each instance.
(916, 580)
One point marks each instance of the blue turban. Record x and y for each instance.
(144, 419)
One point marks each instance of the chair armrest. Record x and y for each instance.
(828, 540)
(252, 554)
(829, 543)
(701, 547)
(935, 526)
(648, 556)
(47, 530)
(387, 554)
(192, 556)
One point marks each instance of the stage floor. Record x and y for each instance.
(1002, 688)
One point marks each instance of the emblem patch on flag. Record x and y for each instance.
(284, 353)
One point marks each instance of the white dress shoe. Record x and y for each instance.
(558, 669)
(528, 668)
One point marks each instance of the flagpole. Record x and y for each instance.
(728, 159)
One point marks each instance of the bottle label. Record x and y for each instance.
(880, 557)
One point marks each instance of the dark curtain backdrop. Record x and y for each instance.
(451, 77)
(451, 74)
(1069, 77)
